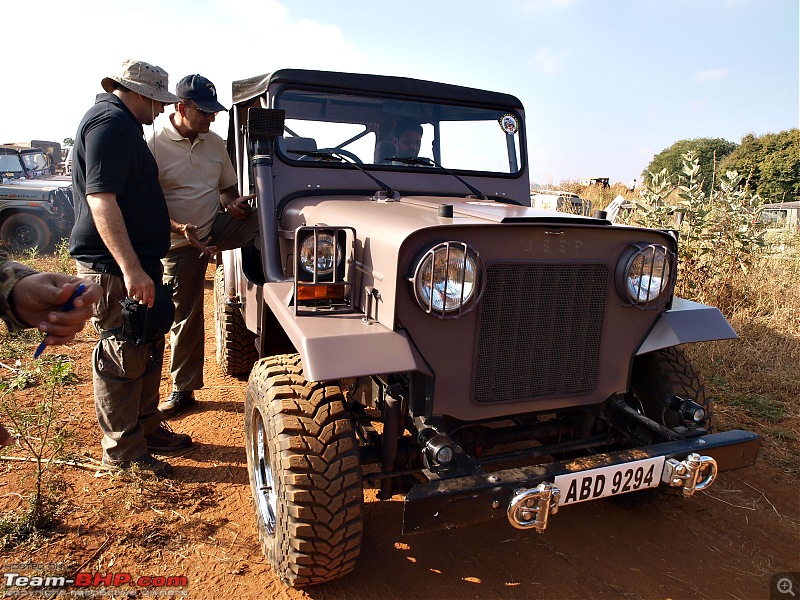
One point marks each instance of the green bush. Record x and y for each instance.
(719, 234)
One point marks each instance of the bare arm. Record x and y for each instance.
(111, 227)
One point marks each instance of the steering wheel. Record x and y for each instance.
(342, 151)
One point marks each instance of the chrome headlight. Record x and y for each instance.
(645, 274)
(447, 279)
(320, 254)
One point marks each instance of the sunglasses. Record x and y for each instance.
(202, 112)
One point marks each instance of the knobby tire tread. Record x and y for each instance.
(319, 482)
(657, 375)
(236, 345)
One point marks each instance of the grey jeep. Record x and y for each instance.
(35, 211)
(412, 325)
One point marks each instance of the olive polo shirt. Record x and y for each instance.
(110, 155)
(192, 175)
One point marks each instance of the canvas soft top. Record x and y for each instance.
(247, 89)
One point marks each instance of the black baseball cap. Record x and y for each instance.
(200, 92)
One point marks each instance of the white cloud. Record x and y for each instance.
(239, 39)
(547, 61)
(711, 74)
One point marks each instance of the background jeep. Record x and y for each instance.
(34, 212)
(414, 325)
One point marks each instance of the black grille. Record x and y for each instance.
(540, 328)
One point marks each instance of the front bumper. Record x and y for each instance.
(449, 503)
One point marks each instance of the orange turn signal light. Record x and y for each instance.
(320, 292)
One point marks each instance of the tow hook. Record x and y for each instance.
(693, 474)
(530, 508)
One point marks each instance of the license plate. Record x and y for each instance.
(609, 481)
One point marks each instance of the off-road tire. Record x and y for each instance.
(664, 373)
(656, 377)
(305, 476)
(22, 231)
(236, 345)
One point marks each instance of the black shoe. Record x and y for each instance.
(145, 464)
(177, 403)
(164, 441)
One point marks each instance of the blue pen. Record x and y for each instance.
(68, 306)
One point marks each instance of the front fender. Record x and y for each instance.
(684, 323)
(340, 345)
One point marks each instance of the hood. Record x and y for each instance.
(22, 193)
(383, 226)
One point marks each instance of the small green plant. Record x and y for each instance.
(32, 254)
(64, 263)
(42, 438)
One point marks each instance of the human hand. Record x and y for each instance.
(38, 298)
(239, 209)
(6, 439)
(140, 287)
(205, 247)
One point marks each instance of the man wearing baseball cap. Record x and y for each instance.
(207, 215)
(121, 233)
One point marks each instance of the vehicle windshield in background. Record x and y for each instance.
(10, 165)
(36, 163)
(372, 131)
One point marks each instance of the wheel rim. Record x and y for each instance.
(26, 235)
(265, 483)
(218, 331)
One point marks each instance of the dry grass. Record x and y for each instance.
(756, 379)
(600, 196)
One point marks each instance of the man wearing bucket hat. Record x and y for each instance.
(207, 215)
(121, 233)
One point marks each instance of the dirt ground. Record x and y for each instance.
(726, 543)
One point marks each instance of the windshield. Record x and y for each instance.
(36, 162)
(10, 165)
(373, 131)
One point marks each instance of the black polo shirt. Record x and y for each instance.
(110, 155)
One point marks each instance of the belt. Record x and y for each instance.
(110, 268)
(101, 267)
(154, 272)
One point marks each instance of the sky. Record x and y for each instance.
(606, 84)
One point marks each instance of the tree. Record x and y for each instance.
(69, 142)
(709, 151)
(770, 164)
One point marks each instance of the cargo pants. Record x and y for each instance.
(126, 377)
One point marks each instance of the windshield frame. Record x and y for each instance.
(436, 111)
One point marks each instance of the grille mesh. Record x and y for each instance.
(540, 328)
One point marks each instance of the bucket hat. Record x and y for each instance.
(200, 91)
(143, 78)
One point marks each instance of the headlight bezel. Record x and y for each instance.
(453, 253)
(646, 263)
(330, 289)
